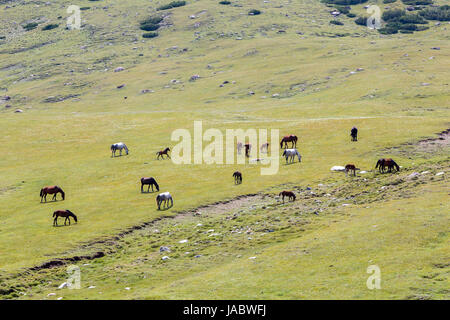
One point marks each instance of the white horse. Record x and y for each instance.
(118, 146)
(165, 196)
(290, 154)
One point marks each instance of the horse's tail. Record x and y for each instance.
(156, 184)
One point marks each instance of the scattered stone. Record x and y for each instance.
(91, 287)
(18, 111)
(182, 241)
(198, 256)
(119, 69)
(436, 48)
(120, 86)
(440, 173)
(413, 175)
(195, 77)
(252, 258)
(338, 168)
(63, 285)
(165, 258)
(127, 288)
(59, 298)
(164, 249)
(147, 91)
(51, 294)
(362, 172)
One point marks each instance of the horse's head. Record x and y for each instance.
(284, 152)
(62, 193)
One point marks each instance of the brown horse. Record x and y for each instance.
(351, 167)
(291, 138)
(288, 194)
(51, 190)
(162, 153)
(389, 163)
(150, 182)
(237, 177)
(65, 214)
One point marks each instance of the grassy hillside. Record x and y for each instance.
(308, 77)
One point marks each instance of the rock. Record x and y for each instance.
(5, 98)
(63, 285)
(182, 241)
(413, 175)
(18, 111)
(91, 287)
(51, 294)
(147, 91)
(118, 69)
(440, 173)
(362, 172)
(338, 168)
(251, 93)
(164, 249)
(120, 86)
(251, 258)
(165, 258)
(425, 172)
(127, 288)
(275, 95)
(198, 256)
(195, 77)
(436, 48)
(59, 298)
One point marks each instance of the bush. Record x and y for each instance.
(362, 21)
(343, 10)
(254, 12)
(50, 27)
(149, 27)
(389, 1)
(344, 2)
(30, 26)
(150, 35)
(351, 15)
(393, 14)
(417, 2)
(388, 30)
(412, 18)
(152, 20)
(224, 2)
(336, 22)
(2, 37)
(171, 5)
(441, 13)
(83, 8)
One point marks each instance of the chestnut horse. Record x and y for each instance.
(65, 214)
(290, 138)
(162, 153)
(237, 177)
(288, 194)
(51, 190)
(150, 182)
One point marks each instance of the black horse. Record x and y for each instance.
(151, 182)
(237, 177)
(354, 134)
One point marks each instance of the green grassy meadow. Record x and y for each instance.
(305, 84)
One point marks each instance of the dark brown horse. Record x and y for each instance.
(288, 194)
(150, 182)
(351, 167)
(162, 153)
(237, 177)
(291, 138)
(248, 148)
(51, 190)
(389, 163)
(65, 214)
(354, 134)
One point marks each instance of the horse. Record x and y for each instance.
(264, 147)
(354, 134)
(351, 167)
(51, 190)
(165, 196)
(162, 153)
(65, 214)
(290, 154)
(237, 177)
(290, 138)
(389, 163)
(118, 146)
(248, 148)
(288, 194)
(150, 182)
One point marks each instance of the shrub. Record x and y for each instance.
(417, 2)
(225, 2)
(150, 35)
(388, 30)
(171, 5)
(336, 22)
(351, 15)
(343, 10)
(362, 21)
(83, 8)
(30, 26)
(392, 14)
(254, 12)
(152, 20)
(344, 2)
(2, 37)
(149, 27)
(441, 13)
(389, 1)
(412, 18)
(50, 27)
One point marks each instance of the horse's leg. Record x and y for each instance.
(168, 156)
(55, 221)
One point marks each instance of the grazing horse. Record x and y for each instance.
(288, 194)
(51, 190)
(162, 153)
(354, 134)
(389, 163)
(65, 214)
(118, 146)
(291, 138)
(264, 147)
(150, 182)
(290, 154)
(239, 147)
(248, 148)
(164, 197)
(351, 167)
(237, 177)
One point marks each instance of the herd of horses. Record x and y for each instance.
(165, 200)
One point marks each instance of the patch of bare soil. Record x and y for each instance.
(433, 144)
